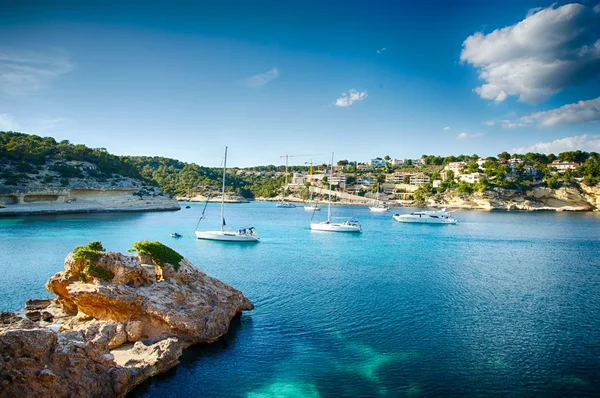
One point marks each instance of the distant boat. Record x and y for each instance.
(350, 225)
(427, 217)
(314, 207)
(175, 235)
(241, 235)
(285, 205)
(378, 206)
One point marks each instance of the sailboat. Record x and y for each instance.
(308, 206)
(283, 204)
(349, 225)
(241, 235)
(378, 206)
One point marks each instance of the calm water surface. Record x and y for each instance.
(503, 304)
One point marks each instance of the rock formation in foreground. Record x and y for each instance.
(116, 321)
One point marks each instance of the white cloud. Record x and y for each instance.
(8, 123)
(489, 123)
(381, 50)
(577, 113)
(348, 99)
(590, 143)
(26, 72)
(549, 50)
(446, 128)
(261, 79)
(464, 136)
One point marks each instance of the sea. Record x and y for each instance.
(501, 304)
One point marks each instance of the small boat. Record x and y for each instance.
(314, 207)
(247, 234)
(427, 217)
(350, 225)
(285, 205)
(379, 208)
(188, 207)
(175, 235)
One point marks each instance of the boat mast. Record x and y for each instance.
(330, 176)
(223, 192)
(286, 174)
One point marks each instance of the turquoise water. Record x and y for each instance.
(503, 304)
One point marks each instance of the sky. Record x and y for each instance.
(362, 79)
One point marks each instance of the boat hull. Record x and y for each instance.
(226, 236)
(285, 205)
(334, 227)
(312, 208)
(379, 209)
(424, 220)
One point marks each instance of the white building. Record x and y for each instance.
(396, 178)
(363, 167)
(298, 179)
(472, 177)
(338, 181)
(418, 162)
(377, 162)
(564, 166)
(455, 166)
(480, 162)
(398, 162)
(419, 179)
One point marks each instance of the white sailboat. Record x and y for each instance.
(283, 204)
(241, 235)
(349, 225)
(378, 206)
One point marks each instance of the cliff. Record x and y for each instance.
(116, 321)
(575, 198)
(44, 190)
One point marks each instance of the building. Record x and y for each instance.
(355, 189)
(472, 177)
(418, 162)
(363, 167)
(338, 181)
(298, 179)
(455, 166)
(480, 162)
(398, 162)
(377, 162)
(388, 189)
(396, 178)
(564, 166)
(366, 181)
(419, 179)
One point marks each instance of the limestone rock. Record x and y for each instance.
(110, 335)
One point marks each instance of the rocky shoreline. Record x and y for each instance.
(116, 321)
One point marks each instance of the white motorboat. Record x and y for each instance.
(427, 217)
(350, 225)
(285, 205)
(241, 235)
(314, 207)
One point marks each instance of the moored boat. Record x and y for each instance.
(427, 217)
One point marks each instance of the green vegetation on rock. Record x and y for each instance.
(159, 253)
(90, 253)
(98, 272)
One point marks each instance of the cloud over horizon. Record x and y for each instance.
(350, 98)
(551, 49)
(261, 79)
(27, 72)
(585, 142)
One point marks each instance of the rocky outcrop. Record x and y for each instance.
(582, 198)
(116, 321)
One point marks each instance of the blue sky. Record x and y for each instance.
(361, 78)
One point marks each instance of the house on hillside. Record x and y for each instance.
(564, 166)
(455, 166)
(377, 162)
(419, 179)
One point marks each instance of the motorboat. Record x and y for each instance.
(427, 217)
(175, 235)
(285, 205)
(314, 207)
(349, 225)
(247, 234)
